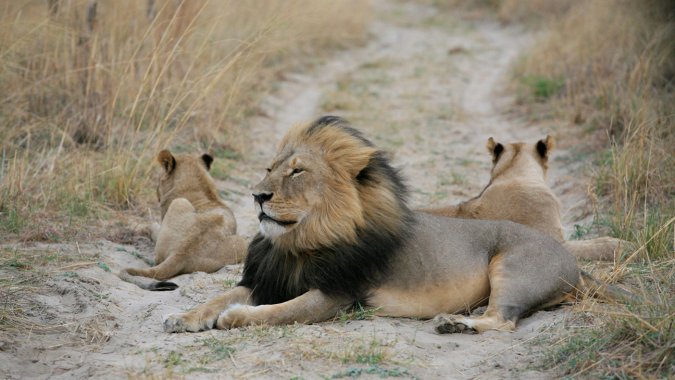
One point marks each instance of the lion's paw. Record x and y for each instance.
(450, 324)
(176, 323)
(236, 315)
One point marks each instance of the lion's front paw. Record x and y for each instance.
(450, 324)
(175, 323)
(235, 316)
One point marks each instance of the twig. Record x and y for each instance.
(78, 265)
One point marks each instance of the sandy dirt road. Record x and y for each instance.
(428, 88)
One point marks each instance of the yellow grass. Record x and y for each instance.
(91, 93)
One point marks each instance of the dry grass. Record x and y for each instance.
(93, 89)
(621, 341)
(607, 66)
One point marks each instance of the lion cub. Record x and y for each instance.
(197, 231)
(518, 192)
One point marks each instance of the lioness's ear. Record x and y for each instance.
(494, 148)
(166, 159)
(545, 146)
(208, 159)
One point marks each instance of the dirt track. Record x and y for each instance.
(427, 88)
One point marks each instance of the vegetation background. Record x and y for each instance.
(91, 90)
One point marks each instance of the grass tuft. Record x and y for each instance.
(541, 88)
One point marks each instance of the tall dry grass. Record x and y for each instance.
(608, 67)
(91, 90)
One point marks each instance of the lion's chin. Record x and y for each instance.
(272, 229)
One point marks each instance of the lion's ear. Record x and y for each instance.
(208, 159)
(545, 146)
(494, 148)
(344, 149)
(358, 160)
(166, 159)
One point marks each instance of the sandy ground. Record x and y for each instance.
(428, 89)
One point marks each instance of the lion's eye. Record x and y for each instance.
(297, 171)
(268, 170)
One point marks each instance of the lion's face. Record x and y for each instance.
(322, 187)
(291, 191)
(181, 175)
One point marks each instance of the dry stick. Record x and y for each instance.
(53, 7)
(151, 12)
(78, 265)
(2, 164)
(91, 15)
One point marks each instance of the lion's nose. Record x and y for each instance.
(262, 197)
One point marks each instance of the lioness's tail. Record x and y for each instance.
(593, 287)
(145, 282)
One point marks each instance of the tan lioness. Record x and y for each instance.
(335, 229)
(198, 231)
(518, 192)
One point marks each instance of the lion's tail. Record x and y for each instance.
(593, 287)
(145, 282)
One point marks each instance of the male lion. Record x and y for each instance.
(198, 231)
(518, 192)
(335, 229)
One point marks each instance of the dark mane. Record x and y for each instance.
(343, 269)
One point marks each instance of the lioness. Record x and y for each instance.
(335, 229)
(198, 231)
(518, 192)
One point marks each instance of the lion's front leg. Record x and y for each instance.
(313, 306)
(204, 317)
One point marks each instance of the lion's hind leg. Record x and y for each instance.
(503, 310)
(215, 254)
(523, 278)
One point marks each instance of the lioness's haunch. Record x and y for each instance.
(518, 192)
(335, 229)
(198, 231)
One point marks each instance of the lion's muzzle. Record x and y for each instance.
(262, 197)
